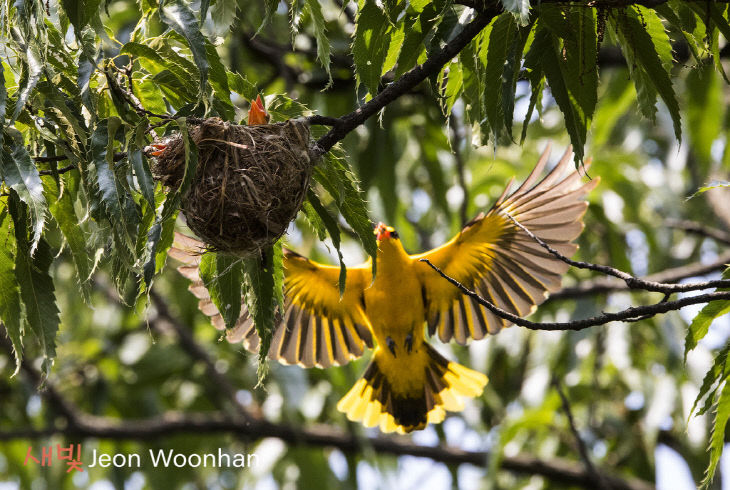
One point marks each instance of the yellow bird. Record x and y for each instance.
(408, 384)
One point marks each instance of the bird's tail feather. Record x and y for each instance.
(373, 402)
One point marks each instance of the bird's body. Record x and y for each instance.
(408, 384)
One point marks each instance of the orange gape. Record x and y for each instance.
(256, 115)
(408, 384)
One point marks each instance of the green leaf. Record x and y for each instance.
(701, 322)
(35, 68)
(36, 286)
(717, 440)
(156, 63)
(3, 94)
(496, 46)
(223, 13)
(416, 31)
(553, 66)
(370, 47)
(314, 219)
(219, 82)
(239, 84)
(261, 300)
(715, 184)
(10, 312)
(118, 206)
(512, 64)
(270, 9)
(335, 176)
(79, 12)
(20, 174)
(62, 210)
(334, 232)
(320, 34)
(519, 8)
(142, 172)
(222, 275)
(181, 19)
(717, 374)
(648, 52)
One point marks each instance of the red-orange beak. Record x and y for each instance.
(381, 231)
(257, 114)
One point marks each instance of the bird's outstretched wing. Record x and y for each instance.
(317, 328)
(501, 262)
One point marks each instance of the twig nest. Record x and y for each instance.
(249, 185)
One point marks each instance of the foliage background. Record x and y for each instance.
(657, 75)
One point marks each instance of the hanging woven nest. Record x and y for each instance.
(249, 184)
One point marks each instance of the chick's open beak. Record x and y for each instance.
(257, 114)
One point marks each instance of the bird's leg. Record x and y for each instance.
(391, 344)
(409, 342)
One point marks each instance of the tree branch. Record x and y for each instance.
(610, 284)
(631, 314)
(407, 81)
(631, 281)
(582, 449)
(557, 469)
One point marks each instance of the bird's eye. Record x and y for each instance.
(394, 234)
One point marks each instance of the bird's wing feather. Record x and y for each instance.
(495, 258)
(317, 328)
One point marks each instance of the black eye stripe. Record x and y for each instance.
(394, 234)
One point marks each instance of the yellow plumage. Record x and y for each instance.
(407, 384)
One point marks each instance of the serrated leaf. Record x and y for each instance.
(118, 206)
(314, 220)
(142, 173)
(520, 9)
(219, 82)
(223, 13)
(454, 75)
(222, 275)
(36, 286)
(158, 65)
(370, 47)
(261, 300)
(20, 174)
(62, 210)
(320, 34)
(334, 231)
(181, 19)
(3, 94)
(335, 176)
(416, 30)
(717, 440)
(552, 65)
(510, 74)
(239, 84)
(716, 374)
(501, 36)
(270, 7)
(701, 322)
(648, 52)
(34, 64)
(79, 12)
(10, 293)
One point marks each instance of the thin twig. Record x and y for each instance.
(699, 229)
(601, 285)
(631, 281)
(627, 315)
(582, 449)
